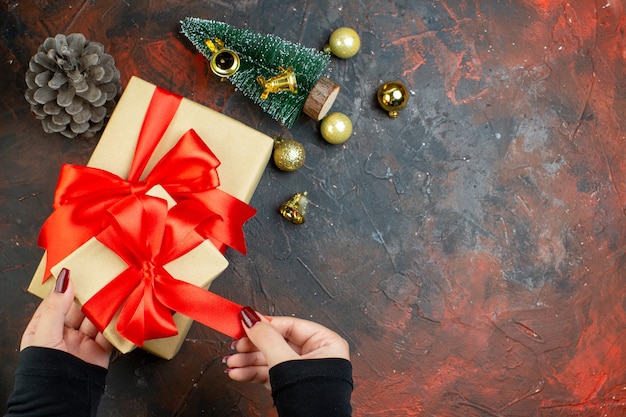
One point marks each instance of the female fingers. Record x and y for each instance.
(243, 345)
(74, 318)
(87, 328)
(241, 360)
(258, 374)
(104, 344)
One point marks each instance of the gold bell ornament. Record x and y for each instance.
(284, 81)
(392, 97)
(294, 209)
(224, 62)
(343, 43)
(288, 154)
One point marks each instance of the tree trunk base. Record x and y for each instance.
(321, 98)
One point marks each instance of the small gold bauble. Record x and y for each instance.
(392, 97)
(288, 154)
(343, 43)
(295, 208)
(336, 128)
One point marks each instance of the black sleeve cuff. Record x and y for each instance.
(314, 387)
(49, 382)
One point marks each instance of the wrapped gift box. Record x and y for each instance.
(243, 154)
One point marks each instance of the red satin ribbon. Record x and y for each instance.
(187, 171)
(146, 237)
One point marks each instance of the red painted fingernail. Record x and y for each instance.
(62, 280)
(249, 317)
(233, 344)
(225, 358)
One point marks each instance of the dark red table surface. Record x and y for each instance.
(471, 251)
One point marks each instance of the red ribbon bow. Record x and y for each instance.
(146, 237)
(187, 171)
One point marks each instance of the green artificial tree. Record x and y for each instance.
(259, 57)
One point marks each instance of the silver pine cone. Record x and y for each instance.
(72, 85)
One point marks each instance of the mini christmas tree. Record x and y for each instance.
(255, 61)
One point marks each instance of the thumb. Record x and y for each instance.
(266, 338)
(46, 327)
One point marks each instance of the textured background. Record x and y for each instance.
(471, 251)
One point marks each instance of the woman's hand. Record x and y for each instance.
(284, 338)
(59, 324)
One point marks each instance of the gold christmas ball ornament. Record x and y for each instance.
(288, 154)
(336, 128)
(295, 208)
(343, 43)
(392, 97)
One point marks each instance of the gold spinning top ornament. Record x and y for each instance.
(283, 81)
(392, 97)
(224, 62)
(294, 209)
